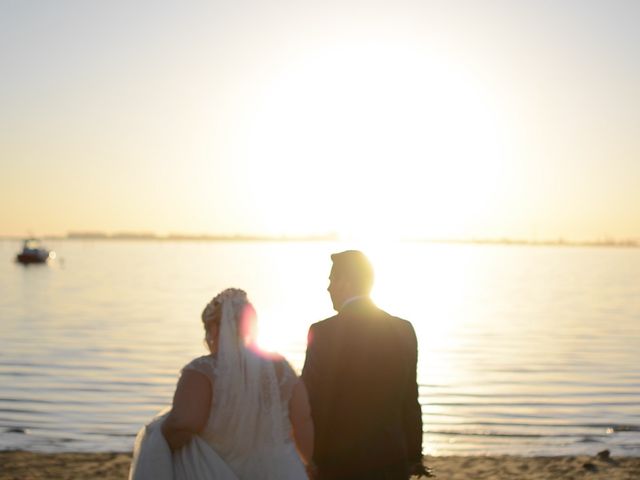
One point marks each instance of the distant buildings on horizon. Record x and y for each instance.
(98, 235)
(203, 237)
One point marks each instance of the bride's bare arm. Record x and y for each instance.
(301, 422)
(190, 411)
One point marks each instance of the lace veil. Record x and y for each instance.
(247, 406)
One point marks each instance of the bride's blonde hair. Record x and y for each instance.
(244, 315)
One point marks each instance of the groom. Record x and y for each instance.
(360, 372)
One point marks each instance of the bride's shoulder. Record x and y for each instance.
(286, 377)
(206, 364)
(283, 368)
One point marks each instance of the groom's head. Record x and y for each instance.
(351, 275)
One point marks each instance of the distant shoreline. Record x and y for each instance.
(126, 236)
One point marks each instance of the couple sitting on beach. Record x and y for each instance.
(239, 413)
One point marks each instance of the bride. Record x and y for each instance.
(237, 413)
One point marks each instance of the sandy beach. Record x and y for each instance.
(16, 465)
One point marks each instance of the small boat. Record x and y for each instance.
(33, 252)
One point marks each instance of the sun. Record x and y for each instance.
(399, 139)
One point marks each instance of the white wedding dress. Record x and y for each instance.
(248, 432)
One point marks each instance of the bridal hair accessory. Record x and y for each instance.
(233, 297)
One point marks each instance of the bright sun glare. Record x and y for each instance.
(395, 136)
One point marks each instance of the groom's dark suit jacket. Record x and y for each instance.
(360, 372)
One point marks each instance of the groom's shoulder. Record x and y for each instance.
(322, 329)
(400, 323)
(405, 323)
(323, 324)
(397, 320)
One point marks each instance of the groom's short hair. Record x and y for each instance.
(354, 266)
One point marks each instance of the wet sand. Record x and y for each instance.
(16, 465)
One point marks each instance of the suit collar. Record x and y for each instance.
(356, 304)
(352, 299)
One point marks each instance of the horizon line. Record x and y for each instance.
(330, 237)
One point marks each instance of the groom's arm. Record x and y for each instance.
(412, 411)
(310, 377)
(310, 369)
(314, 375)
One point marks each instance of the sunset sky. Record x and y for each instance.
(388, 119)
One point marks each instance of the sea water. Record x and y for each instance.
(522, 349)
